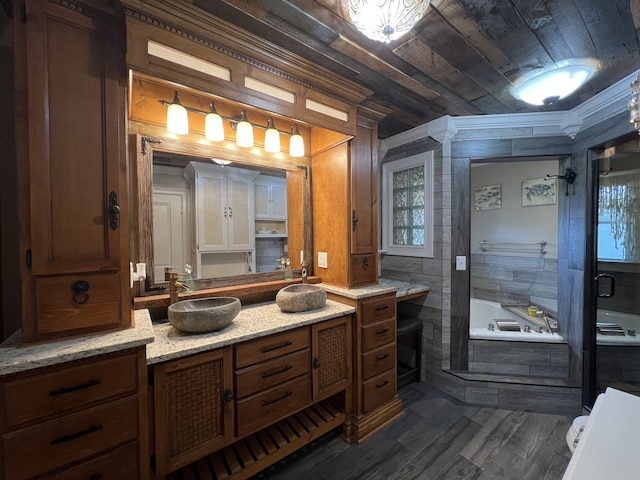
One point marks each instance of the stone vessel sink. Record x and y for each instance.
(203, 314)
(301, 297)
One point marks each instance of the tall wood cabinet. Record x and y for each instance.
(345, 209)
(70, 146)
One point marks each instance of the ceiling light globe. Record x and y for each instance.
(386, 20)
(553, 85)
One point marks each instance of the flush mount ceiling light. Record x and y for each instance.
(552, 85)
(386, 20)
(178, 123)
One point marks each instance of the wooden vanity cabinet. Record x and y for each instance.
(206, 402)
(70, 151)
(345, 209)
(375, 402)
(84, 419)
(193, 408)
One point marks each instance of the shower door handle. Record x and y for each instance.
(612, 285)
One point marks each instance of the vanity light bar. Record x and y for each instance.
(178, 123)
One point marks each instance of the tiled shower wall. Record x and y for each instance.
(514, 279)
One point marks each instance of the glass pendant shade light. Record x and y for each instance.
(386, 20)
(296, 143)
(213, 129)
(177, 120)
(552, 85)
(271, 138)
(244, 131)
(634, 103)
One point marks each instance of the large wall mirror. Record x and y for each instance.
(232, 222)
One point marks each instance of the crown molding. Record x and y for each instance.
(604, 105)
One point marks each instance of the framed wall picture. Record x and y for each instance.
(539, 191)
(487, 198)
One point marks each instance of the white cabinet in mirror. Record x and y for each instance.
(205, 215)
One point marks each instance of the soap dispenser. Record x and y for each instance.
(285, 266)
(189, 284)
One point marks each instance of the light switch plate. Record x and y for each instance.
(461, 262)
(322, 259)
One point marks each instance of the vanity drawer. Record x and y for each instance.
(378, 309)
(272, 346)
(120, 464)
(378, 360)
(57, 391)
(95, 306)
(49, 445)
(378, 390)
(267, 374)
(375, 335)
(262, 409)
(364, 270)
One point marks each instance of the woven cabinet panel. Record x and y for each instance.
(332, 352)
(195, 403)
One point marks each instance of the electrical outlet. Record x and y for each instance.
(322, 259)
(461, 262)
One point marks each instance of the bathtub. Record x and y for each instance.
(627, 321)
(484, 312)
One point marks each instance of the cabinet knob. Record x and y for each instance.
(228, 396)
(316, 362)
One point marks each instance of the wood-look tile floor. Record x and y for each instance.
(440, 437)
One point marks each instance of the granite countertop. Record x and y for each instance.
(253, 321)
(15, 358)
(403, 290)
(359, 292)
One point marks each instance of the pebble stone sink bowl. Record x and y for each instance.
(203, 314)
(301, 297)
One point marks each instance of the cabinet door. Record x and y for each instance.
(331, 342)
(212, 212)
(193, 408)
(240, 204)
(76, 140)
(364, 189)
(261, 200)
(279, 200)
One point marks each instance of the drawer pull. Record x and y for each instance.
(276, 372)
(382, 357)
(380, 385)
(383, 307)
(277, 347)
(382, 331)
(63, 390)
(73, 436)
(96, 476)
(281, 397)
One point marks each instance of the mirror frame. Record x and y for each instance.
(146, 139)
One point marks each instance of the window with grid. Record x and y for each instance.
(408, 206)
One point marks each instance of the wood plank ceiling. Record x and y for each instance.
(463, 57)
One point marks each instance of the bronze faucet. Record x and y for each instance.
(174, 284)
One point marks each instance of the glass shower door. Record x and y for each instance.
(618, 271)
